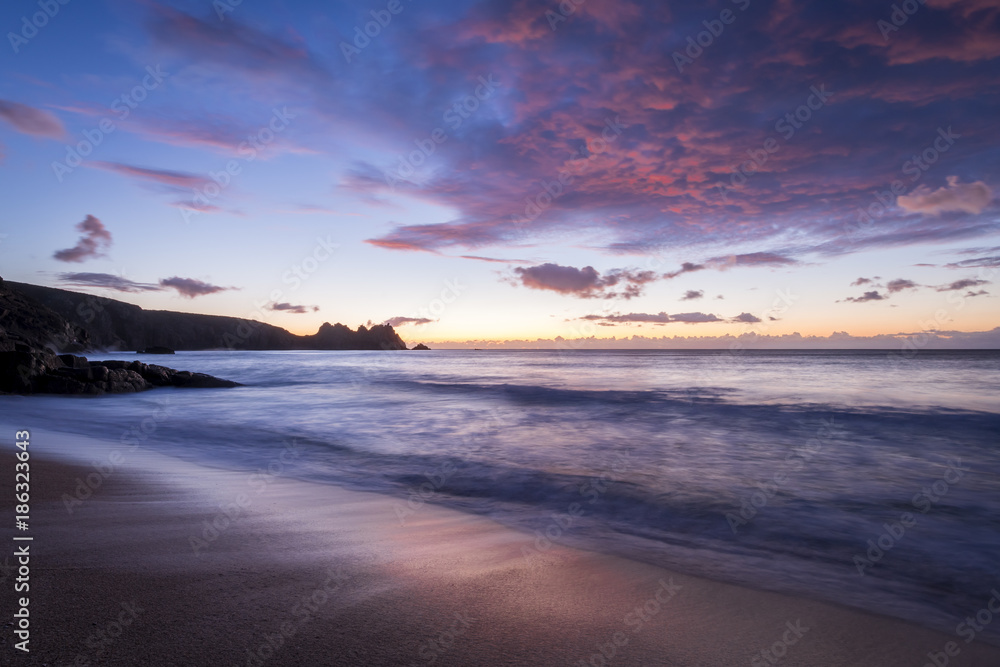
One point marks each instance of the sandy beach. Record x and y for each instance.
(167, 563)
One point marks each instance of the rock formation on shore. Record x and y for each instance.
(28, 332)
(36, 323)
(91, 322)
(32, 371)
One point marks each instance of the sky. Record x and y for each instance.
(516, 173)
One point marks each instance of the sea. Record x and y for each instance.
(869, 479)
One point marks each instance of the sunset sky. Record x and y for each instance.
(474, 171)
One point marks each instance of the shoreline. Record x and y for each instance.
(192, 565)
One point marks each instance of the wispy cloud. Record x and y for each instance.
(686, 267)
(173, 179)
(655, 318)
(978, 262)
(293, 308)
(401, 321)
(106, 281)
(962, 284)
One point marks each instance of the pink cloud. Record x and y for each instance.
(958, 197)
(30, 120)
(174, 179)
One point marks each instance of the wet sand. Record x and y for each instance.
(168, 563)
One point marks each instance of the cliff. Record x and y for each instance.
(29, 331)
(70, 322)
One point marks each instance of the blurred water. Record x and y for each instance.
(651, 450)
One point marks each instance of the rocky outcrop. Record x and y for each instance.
(107, 324)
(29, 331)
(32, 371)
(420, 346)
(340, 337)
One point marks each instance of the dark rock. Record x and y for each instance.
(200, 380)
(41, 372)
(28, 365)
(27, 322)
(420, 346)
(156, 349)
(114, 364)
(74, 322)
(73, 361)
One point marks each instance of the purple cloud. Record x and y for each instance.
(654, 318)
(978, 262)
(191, 288)
(867, 296)
(686, 267)
(30, 120)
(106, 281)
(94, 241)
(962, 284)
(401, 321)
(173, 179)
(585, 283)
(899, 285)
(293, 308)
